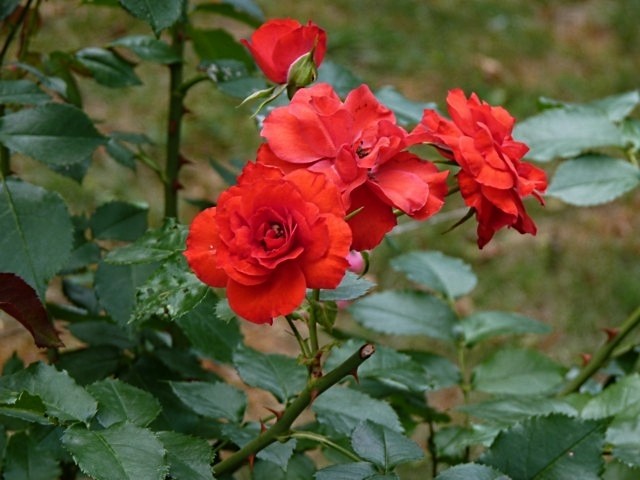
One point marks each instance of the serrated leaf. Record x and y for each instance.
(470, 471)
(453, 441)
(189, 458)
(513, 371)
(347, 471)
(567, 132)
(107, 67)
(505, 411)
(87, 365)
(283, 376)
(53, 133)
(246, 11)
(54, 83)
(300, 467)
(440, 371)
(218, 44)
(155, 245)
(276, 453)
(28, 408)
(21, 92)
(444, 274)
(121, 153)
(554, 447)
(342, 409)
(21, 301)
(615, 399)
(159, 15)
(26, 459)
(593, 180)
(408, 112)
(120, 452)
(102, 333)
(36, 233)
(212, 400)
(617, 107)
(210, 335)
(120, 402)
(148, 48)
(624, 435)
(116, 288)
(119, 221)
(388, 366)
(351, 287)
(406, 313)
(483, 325)
(170, 292)
(61, 396)
(383, 447)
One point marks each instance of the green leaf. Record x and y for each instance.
(155, 245)
(21, 92)
(408, 112)
(28, 408)
(119, 221)
(351, 287)
(148, 48)
(406, 313)
(246, 11)
(212, 400)
(283, 376)
(483, 325)
(53, 133)
(593, 180)
(342, 409)
(61, 396)
(387, 366)
(8, 7)
(452, 442)
(108, 68)
(26, 459)
(617, 107)
(567, 132)
(512, 371)
(102, 333)
(340, 78)
(121, 153)
(36, 233)
(347, 471)
(211, 336)
(470, 471)
(218, 44)
(189, 458)
(624, 435)
(616, 399)
(170, 292)
(447, 275)
(616, 470)
(276, 453)
(300, 467)
(120, 402)
(121, 452)
(116, 288)
(386, 448)
(159, 15)
(87, 365)
(505, 411)
(440, 371)
(549, 448)
(54, 83)
(21, 301)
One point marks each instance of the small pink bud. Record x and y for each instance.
(356, 262)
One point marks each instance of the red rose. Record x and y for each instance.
(493, 179)
(359, 146)
(277, 44)
(269, 238)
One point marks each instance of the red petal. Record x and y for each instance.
(201, 249)
(370, 224)
(328, 270)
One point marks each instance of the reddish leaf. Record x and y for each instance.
(21, 301)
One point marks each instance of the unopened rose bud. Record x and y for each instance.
(303, 71)
(356, 262)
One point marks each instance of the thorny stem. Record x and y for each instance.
(174, 126)
(281, 429)
(14, 30)
(313, 325)
(602, 355)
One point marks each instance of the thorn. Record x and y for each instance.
(182, 161)
(586, 358)
(173, 127)
(186, 111)
(314, 394)
(252, 459)
(278, 414)
(611, 333)
(354, 374)
(177, 186)
(263, 427)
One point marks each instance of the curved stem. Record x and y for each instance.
(296, 333)
(325, 441)
(14, 30)
(603, 354)
(315, 387)
(313, 325)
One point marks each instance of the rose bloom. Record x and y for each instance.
(278, 43)
(359, 146)
(493, 179)
(269, 238)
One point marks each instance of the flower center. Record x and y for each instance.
(273, 236)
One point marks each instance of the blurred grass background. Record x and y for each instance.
(579, 274)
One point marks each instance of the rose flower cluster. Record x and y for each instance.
(333, 175)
